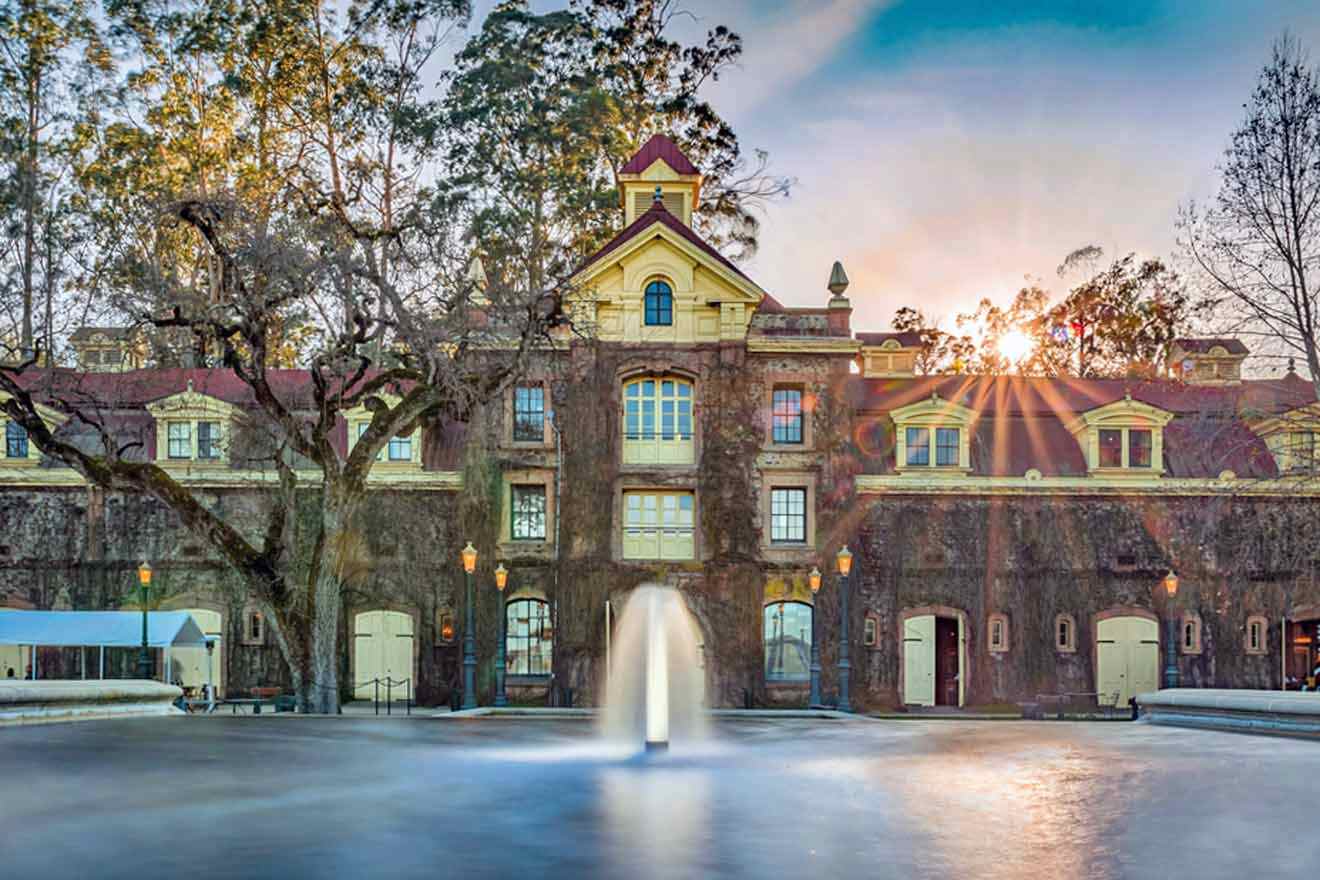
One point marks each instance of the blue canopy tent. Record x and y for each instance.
(100, 629)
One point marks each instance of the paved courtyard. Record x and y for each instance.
(303, 797)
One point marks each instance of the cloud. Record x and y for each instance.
(788, 45)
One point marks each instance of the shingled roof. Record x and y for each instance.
(1201, 346)
(657, 214)
(659, 147)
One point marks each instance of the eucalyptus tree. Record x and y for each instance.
(52, 57)
(542, 110)
(274, 185)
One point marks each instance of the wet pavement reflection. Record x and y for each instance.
(306, 797)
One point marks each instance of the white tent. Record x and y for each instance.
(101, 629)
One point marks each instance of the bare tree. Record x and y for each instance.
(1257, 245)
(319, 227)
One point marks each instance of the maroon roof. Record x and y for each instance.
(659, 147)
(1201, 346)
(907, 339)
(1023, 422)
(657, 214)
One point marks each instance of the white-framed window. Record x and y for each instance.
(998, 626)
(529, 637)
(658, 423)
(786, 419)
(658, 525)
(399, 449)
(17, 444)
(1065, 634)
(254, 627)
(1123, 437)
(787, 640)
(1257, 635)
(933, 434)
(179, 440)
(208, 440)
(788, 515)
(1189, 640)
(871, 632)
(527, 509)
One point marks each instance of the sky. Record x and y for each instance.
(947, 150)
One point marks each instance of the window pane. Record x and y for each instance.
(659, 304)
(786, 415)
(400, 449)
(1139, 448)
(179, 440)
(788, 516)
(946, 447)
(528, 513)
(16, 440)
(658, 525)
(529, 413)
(918, 446)
(208, 440)
(787, 640)
(1111, 448)
(528, 641)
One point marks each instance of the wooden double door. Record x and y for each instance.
(1127, 658)
(934, 659)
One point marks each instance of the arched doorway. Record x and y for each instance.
(1127, 656)
(382, 648)
(934, 656)
(192, 666)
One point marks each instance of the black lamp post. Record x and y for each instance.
(469, 633)
(144, 664)
(501, 579)
(844, 558)
(1171, 652)
(814, 702)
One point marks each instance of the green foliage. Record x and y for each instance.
(1116, 320)
(541, 111)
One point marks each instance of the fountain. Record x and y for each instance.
(656, 684)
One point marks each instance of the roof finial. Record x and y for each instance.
(1292, 366)
(838, 279)
(659, 197)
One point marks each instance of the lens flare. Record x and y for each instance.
(1015, 346)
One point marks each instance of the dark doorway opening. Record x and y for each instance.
(946, 661)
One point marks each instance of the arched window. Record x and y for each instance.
(998, 624)
(1065, 634)
(529, 637)
(1256, 634)
(659, 304)
(787, 641)
(1190, 641)
(657, 421)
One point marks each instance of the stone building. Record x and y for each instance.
(1010, 535)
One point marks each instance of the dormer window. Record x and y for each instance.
(933, 433)
(16, 440)
(18, 449)
(659, 304)
(1291, 438)
(191, 427)
(1124, 436)
(402, 450)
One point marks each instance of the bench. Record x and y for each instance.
(264, 696)
(1061, 702)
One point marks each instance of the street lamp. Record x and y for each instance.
(469, 632)
(844, 559)
(144, 664)
(814, 700)
(501, 580)
(1171, 653)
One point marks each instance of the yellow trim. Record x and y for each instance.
(1125, 416)
(226, 478)
(360, 415)
(789, 345)
(53, 420)
(933, 413)
(941, 483)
